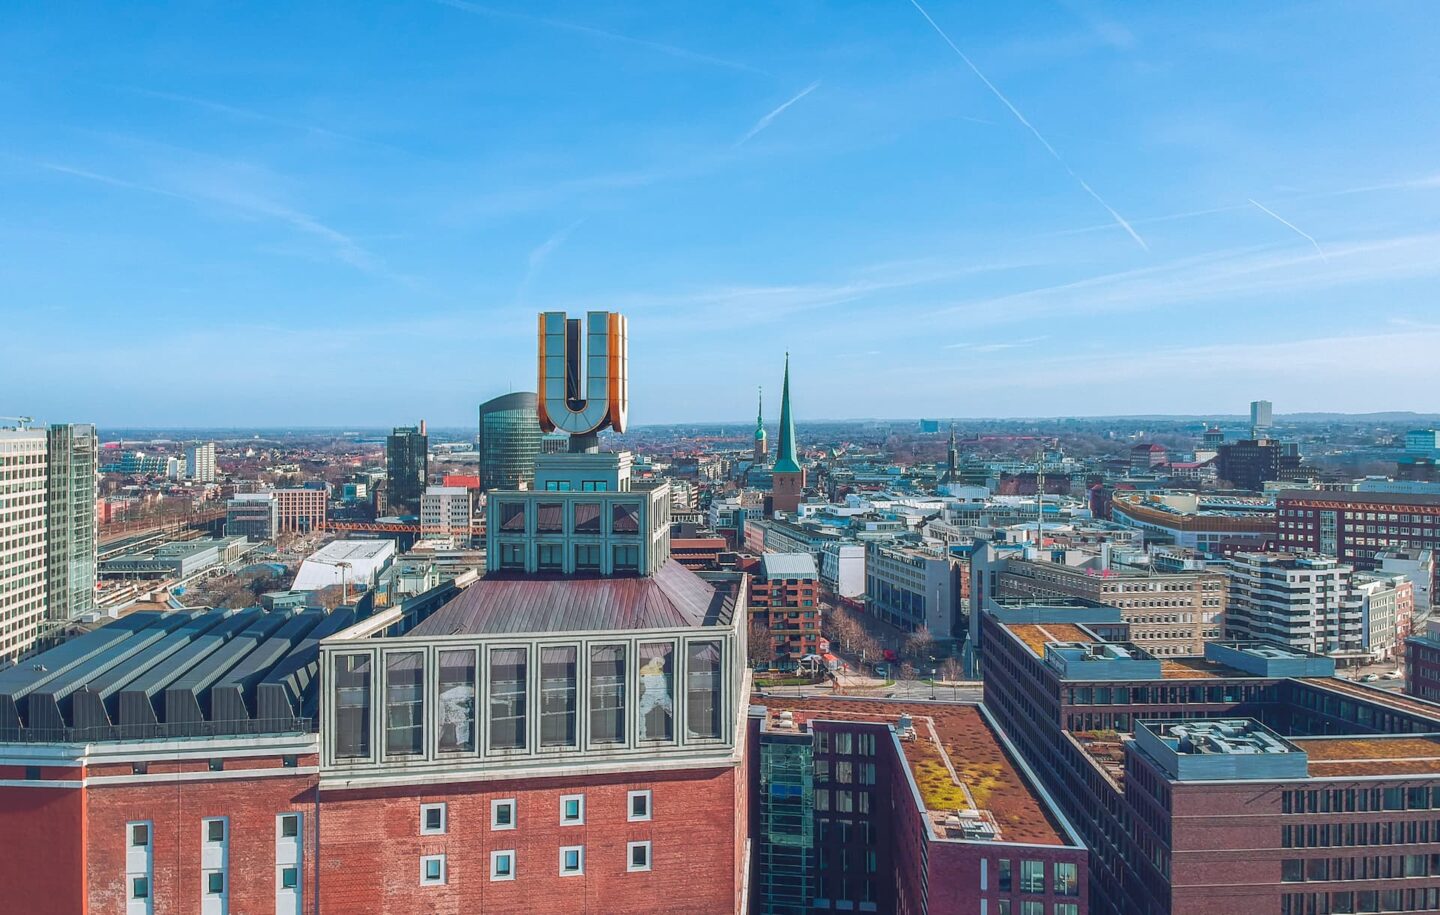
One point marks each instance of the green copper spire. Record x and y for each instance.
(785, 460)
(760, 418)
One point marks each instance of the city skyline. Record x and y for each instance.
(1082, 210)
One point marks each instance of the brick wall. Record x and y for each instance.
(41, 867)
(371, 847)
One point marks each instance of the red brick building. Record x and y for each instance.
(1355, 526)
(785, 599)
(301, 510)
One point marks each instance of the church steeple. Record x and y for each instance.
(952, 460)
(762, 444)
(785, 458)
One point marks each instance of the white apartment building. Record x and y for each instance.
(200, 462)
(842, 568)
(23, 543)
(446, 511)
(1304, 601)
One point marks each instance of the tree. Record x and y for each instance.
(950, 670)
(919, 645)
(758, 648)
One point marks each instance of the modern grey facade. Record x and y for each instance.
(509, 440)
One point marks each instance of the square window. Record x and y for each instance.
(289, 878)
(217, 765)
(432, 870)
(572, 860)
(572, 809)
(502, 814)
(639, 806)
(139, 768)
(502, 865)
(139, 834)
(32, 773)
(215, 883)
(289, 762)
(289, 825)
(214, 830)
(637, 856)
(432, 819)
(140, 888)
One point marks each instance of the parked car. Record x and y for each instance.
(1369, 678)
(1394, 675)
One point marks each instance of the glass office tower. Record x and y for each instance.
(407, 468)
(509, 441)
(71, 531)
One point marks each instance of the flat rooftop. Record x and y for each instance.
(1197, 669)
(1379, 696)
(957, 760)
(1037, 635)
(1375, 754)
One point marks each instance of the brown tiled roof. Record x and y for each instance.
(974, 750)
(673, 597)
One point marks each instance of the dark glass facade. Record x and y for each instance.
(406, 469)
(509, 441)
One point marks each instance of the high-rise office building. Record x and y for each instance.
(509, 440)
(407, 468)
(1260, 411)
(200, 462)
(71, 526)
(23, 462)
(1251, 463)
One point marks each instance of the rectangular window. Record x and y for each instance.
(607, 694)
(502, 865)
(550, 557)
(432, 819)
(352, 706)
(502, 813)
(456, 692)
(512, 556)
(139, 887)
(550, 517)
(1003, 876)
(657, 691)
(558, 683)
(404, 703)
(572, 809)
(215, 883)
(637, 856)
(289, 825)
(587, 557)
(1067, 880)
(512, 516)
(704, 690)
(627, 559)
(1032, 876)
(587, 517)
(572, 860)
(289, 878)
(432, 870)
(140, 834)
(214, 830)
(639, 806)
(507, 698)
(625, 518)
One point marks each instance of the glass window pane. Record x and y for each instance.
(607, 694)
(404, 703)
(512, 516)
(550, 517)
(558, 683)
(625, 519)
(507, 698)
(657, 691)
(352, 706)
(587, 517)
(704, 690)
(457, 700)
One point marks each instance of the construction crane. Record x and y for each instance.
(344, 568)
(21, 421)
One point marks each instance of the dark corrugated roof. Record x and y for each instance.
(673, 597)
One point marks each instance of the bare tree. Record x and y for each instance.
(919, 645)
(950, 670)
(759, 649)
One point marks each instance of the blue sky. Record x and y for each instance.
(344, 214)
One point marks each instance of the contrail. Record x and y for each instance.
(1290, 225)
(765, 121)
(1119, 220)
